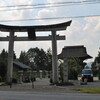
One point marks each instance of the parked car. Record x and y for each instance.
(87, 74)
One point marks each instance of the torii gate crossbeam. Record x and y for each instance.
(39, 38)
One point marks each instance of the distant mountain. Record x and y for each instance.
(89, 64)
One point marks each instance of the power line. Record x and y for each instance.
(38, 6)
(52, 18)
(56, 3)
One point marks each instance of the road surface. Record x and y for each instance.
(12, 95)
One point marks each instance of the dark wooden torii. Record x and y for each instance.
(32, 37)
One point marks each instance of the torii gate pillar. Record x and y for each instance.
(54, 58)
(10, 58)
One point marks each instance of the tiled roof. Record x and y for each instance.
(21, 65)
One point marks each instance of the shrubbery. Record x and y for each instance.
(95, 72)
(15, 78)
(73, 75)
(99, 74)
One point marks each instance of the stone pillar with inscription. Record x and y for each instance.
(65, 70)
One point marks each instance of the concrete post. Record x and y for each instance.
(65, 70)
(21, 78)
(10, 57)
(54, 58)
(40, 74)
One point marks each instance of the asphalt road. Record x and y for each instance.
(11, 95)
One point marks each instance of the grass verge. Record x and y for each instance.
(90, 90)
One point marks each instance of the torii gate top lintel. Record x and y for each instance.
(58, 27)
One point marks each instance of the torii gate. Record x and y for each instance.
(32, 37)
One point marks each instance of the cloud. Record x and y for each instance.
(15, 14)
(25, 46)
(85, 31)
(87, 34)
(17, 2)
(45, 13)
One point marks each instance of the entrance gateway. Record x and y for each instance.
(32, 37)
(72, 52)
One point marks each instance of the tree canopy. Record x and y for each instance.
(3, 64)
(96, 63)
(37, 59)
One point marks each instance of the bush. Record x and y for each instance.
(33, 78)
(15, 78)
(99, 74)
(50, 80)
(95, 72)
(3, 70)
(72, 75)
(0, 79)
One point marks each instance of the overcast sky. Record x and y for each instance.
(83, 31)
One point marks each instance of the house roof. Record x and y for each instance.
(74, 51)
(21, 65)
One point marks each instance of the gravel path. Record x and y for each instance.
(43, 85)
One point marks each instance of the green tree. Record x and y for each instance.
(3, 70)
(14, 56)
(31, 54)
(38, 57)
(96, 66)
(3, 64)
(49, 60)
(75, 67)
(3, 55)
(96, 61)
(24, 58)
